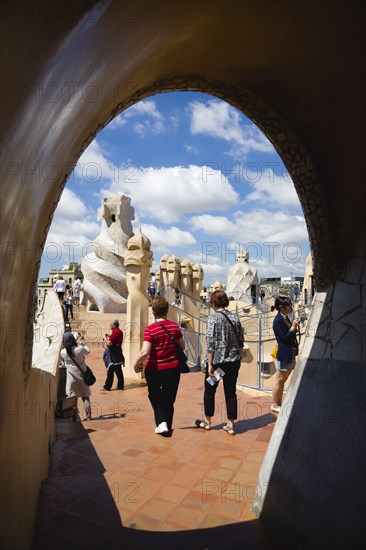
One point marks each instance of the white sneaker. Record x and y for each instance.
(162, 428)
(276, 408)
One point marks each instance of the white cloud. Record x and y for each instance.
(153, 119)
(190, 149)
(214, 225)
(70, 207)
(255, 226)
(215, 272)
(119, 120)
(93, 166)
(145, 107)
(268, 187)
(262, 260)
(139, 128)
(165, 193)
(277, 242)
(217, 257)
(219, 119)
(165, 240)
(74, 226)
(168, 193)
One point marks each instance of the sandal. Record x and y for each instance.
(229, 429)
(203, 424)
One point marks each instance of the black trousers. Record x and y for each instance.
(110, 375)
(68, 308)
(163, 387)
(231, 371)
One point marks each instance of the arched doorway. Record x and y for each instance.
(86, 70)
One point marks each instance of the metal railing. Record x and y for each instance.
(257, 367)
(194, 339)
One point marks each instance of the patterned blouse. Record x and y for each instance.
(222, 339)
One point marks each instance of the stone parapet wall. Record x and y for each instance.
(337, 327)
(28, 429)
(318, 442)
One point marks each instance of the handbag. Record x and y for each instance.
(274, 352)
(88, 376)
(181, 356)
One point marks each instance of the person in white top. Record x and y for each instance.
(152, 288)
(60, 288)
(75, 384)
(76, 291)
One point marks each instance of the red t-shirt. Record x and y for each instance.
(116, 337)
(163, 353)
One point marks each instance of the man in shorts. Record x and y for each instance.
(76, 291)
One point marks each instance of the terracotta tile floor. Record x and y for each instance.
(114, 483)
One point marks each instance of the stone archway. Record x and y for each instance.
(287, 144)
(99, 60)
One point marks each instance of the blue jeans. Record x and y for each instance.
(283, 366)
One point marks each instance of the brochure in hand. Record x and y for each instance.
(218, 374)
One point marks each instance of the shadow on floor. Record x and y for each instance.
(79, 509)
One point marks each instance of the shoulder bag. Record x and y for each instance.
(231, 323)
(182, 358)
(88, 376)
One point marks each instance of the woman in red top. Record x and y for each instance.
(162, 367)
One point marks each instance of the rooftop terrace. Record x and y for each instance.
(113, 481)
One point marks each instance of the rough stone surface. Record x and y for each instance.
(317, 433)
(137, 260)
(242, 278)
(337, 332)
(354, 271)
(356, 319)
(197, 279)
(335, 328)
(346, 297)
(348, 348)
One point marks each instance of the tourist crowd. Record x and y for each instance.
(161, 355)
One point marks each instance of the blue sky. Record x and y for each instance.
(204, 182)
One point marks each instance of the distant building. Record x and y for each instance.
(216, 286)
(308, 288)
(281, 285)
(69, 272)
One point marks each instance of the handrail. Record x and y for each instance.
(260, 332)
(202, 305)
(168, 285)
